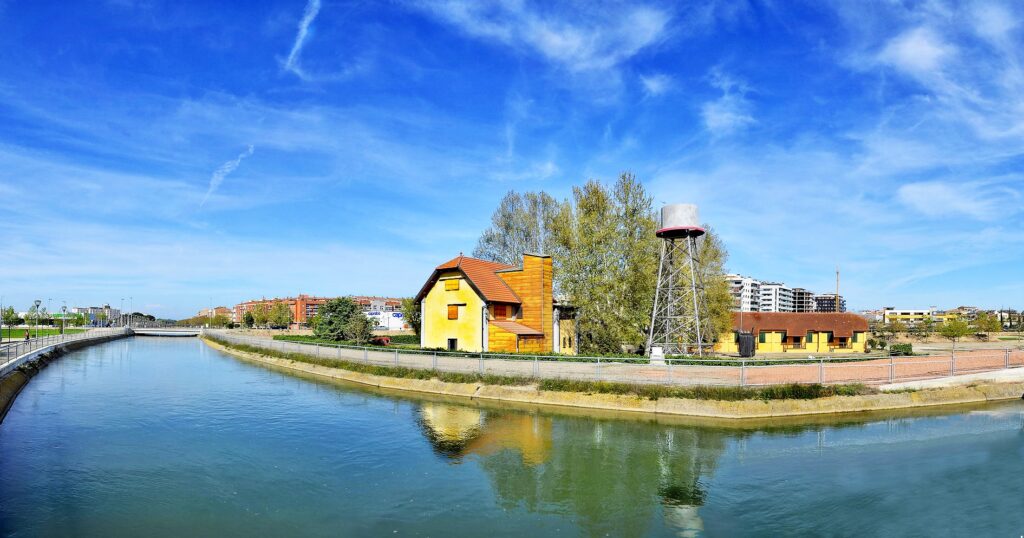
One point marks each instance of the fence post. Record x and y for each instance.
(892, 369)
(433, 362)
(396, 357)
(599, 368)
(481, 363)
(952, 364)
(536, 366)
(1006, 358)
(669, 363)
(743, 372)
(365, 357)
(821, 370)
(318, 350)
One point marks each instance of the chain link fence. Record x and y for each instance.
(12, 351)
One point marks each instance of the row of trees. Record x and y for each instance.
(276, 316)
(984, 324)
(10, 317)
(605, 255)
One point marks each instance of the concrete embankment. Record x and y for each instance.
(15, 380)
(743, 409)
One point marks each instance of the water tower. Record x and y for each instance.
(680, 323)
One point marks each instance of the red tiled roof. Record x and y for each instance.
(516, 328)
(481, 275)
(842, 325)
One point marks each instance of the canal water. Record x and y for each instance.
(167, 437)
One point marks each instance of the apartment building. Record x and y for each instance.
(746, 293)
(803, 300)
(826, 302)
(776, 297)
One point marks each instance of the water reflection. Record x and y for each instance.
(612, 476)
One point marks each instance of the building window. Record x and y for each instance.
(452, 284)
(856, 337)
(762, 337)
(453, 344)
(453, 311)
(500, 311)
(810, 337)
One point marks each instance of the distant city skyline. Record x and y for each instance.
(196, 155)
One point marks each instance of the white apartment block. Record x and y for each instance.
(745, 291)
(776, 297)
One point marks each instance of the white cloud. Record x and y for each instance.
(656, 84)
(578, 40)
(732, 111)
(918, 51)
(292, 62)
(977, 200)
(220, 173)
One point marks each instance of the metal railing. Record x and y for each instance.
(868, 369)
(11, 351)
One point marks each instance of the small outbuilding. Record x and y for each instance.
(812, 332)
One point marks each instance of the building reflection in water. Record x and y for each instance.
(605, 473)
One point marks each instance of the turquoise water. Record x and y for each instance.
(167, 437)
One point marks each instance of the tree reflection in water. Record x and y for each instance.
(611, 475)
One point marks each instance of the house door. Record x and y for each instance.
(453, 344)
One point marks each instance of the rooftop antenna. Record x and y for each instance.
(680, 322)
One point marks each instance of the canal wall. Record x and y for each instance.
(17, 373)
(742, 409)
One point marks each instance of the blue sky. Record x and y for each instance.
(187, 153)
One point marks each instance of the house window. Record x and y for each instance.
(856, 337)
(453, 344)
(762, 337)
(452, 284)
(453, 311)
(500, 311)
(810, 337)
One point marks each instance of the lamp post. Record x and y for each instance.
(120, 313)
(63, 318)
(37, 302)
(48, 299)
(131, 306)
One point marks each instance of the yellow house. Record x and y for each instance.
(813, 332)
(470, 304)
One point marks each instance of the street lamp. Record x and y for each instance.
(131, 306)
(121, 312)
(63, 318)
(37, 302)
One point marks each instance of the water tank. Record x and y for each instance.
(680, 220)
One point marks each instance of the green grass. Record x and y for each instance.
(652, 392)
(1012, 338)
(791, 391)
(19, 334)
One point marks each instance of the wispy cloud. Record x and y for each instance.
(577, 40)
(656, 84)
(292, 62)
(977, 200)
(732, 111)
(220, 173)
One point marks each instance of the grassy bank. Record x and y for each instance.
(19, 334)
(651, 392)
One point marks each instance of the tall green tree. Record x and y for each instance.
(10, 317)
(954, 330)
(359, 329)
(247, 319)
(606, 254)
(280, 316)
(986, 322)
(411, 313)
(521, 223)
(334, 317)
(261, 314)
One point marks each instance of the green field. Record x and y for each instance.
(19, 334)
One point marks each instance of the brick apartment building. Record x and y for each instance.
(303, 307)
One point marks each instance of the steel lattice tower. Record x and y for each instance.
(680, 323)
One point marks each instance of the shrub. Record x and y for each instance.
(901, 349)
